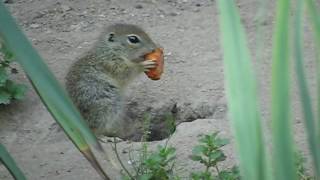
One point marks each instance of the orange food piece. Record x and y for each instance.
(157, 55)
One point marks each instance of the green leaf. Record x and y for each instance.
(199, 149)
(17, 91)
(201, 176)
(195, 158)
(20, 91)
(313, 131)
(229, 175)
(145, 177)
(3, 76)
(48, 88)
(280, 111)
(221, 142)
(241, 93)
(5, 97)
(10, 164)
(217, 156)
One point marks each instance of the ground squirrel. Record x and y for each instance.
(96, 81)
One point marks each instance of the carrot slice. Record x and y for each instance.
(157, 55)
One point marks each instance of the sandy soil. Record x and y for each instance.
(193, 81)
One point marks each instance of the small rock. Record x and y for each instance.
(173, 14)
(34, 26)
(168, 53)
(198, 5)
(8, 1)
(138, 6)
(14, 71)
(196, 10)
(65, 7)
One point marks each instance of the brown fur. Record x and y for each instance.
(96, 80)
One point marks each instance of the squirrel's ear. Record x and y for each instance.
(111, 37)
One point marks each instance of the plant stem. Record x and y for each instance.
(120, 161)
(217, 169)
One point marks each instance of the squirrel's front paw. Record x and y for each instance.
(148, 64)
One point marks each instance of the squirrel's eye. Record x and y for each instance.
(133, 39)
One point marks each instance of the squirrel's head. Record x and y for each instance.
(130, 40)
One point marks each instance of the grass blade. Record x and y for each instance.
(48, 88)
(314, 14)
(283, 161)
(10, 164)
(303, 88)
(241, 93)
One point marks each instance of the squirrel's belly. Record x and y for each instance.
(100, 103)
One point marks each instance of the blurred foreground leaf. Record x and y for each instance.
(241, 94)
(10, 164)
(48, 88)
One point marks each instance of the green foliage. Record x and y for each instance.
(209, 154)
(159, 164)
(300, 169)
(10, 164)
(283, 154)
(151, 165)
(9, 90)
(154, 165)
(242, 98)
(241, 93)
(49, 89)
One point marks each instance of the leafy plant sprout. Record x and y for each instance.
(209, 153)
(9, 89)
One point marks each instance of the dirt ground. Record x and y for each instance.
(193, 81)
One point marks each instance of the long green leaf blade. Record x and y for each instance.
(48, 88)
(313, 11)
(10, 164)
(283, 161)
(241, 93)
(304, 92)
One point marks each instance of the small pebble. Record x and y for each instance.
(138, 6)
(34, 26)
(65, 7)
(173, 14)
(196, 10)
(8, 1)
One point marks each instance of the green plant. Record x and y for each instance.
(243, 99)
(9, 90)
(209, 154)
(50, 91)
(159, 164)
(9, 162)
(300, 169)
(151, 165)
